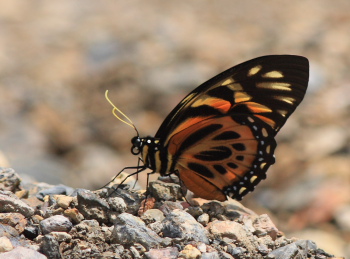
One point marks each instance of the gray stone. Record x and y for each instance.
(202, 247)
(264, 225)
(61, 236)
(233, 230)
(156, 226)
(129, 229)
(165, 191)
(10, 203)
(56, 223)
(117, 204)
(224, 255)
(22, 253)
(194, 211)
(267, 241)
(285, 252)
(135, 253)
(236, 251)
(90, 231)
(167, 241)
(306, 244)
(57, 189)
(132, 199)
(180, 224)
(88, 224)
(152, 215)
(234, 208)
(9, 232)
(263, 249)
(139, 248)
(9, 179)
(169, 206)
(211, 255)
(91, 206)
(169, 253)
(213, 209)
(203, 219)
(50, 247)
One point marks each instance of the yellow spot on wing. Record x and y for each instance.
(289, 100)
(227, 82)
(235, 87)
(243, 189)
(273, 74)
(254, 70)
(257, 107)
(268, 149)
(205, 99)
(262, 165)
(282, 112)
(241, 97)
(272, 123)
(264, 132)
(218, 103)
(275, 86)
(253, 178)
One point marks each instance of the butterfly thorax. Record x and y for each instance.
(149, 148)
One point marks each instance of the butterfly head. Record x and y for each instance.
(137, 145)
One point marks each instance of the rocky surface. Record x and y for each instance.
(99, 224)
(57, 58)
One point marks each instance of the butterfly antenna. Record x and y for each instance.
(115, 110)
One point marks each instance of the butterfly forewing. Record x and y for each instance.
(268, 86)
(220, 138)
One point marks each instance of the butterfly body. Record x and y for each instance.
(219, 140)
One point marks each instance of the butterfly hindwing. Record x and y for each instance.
(226, 154)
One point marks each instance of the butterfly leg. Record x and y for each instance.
(125, 168)
(139, 169)
(182, 185)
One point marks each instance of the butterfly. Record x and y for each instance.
(220, 139)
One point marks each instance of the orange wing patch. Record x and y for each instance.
(200, 186)
(219, 158)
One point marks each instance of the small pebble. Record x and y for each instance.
(190, 252)
(203, 219)
(5, 244)
(56, 223)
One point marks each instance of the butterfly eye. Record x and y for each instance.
(136, 145)
(135, 150)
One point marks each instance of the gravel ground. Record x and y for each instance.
(42, 221)
(58, 58)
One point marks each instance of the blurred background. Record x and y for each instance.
(57, 58)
